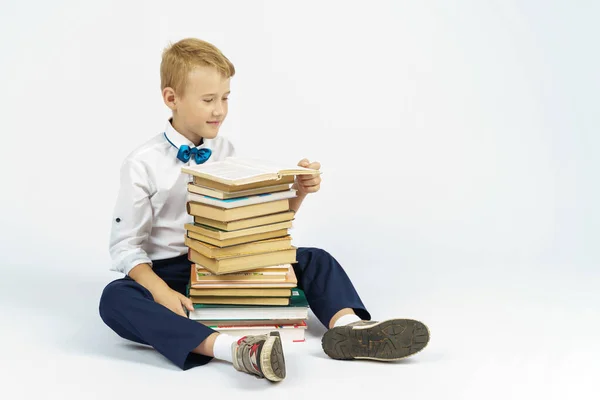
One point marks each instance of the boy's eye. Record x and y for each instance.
(210, 100)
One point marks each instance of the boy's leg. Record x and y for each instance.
(334, 300)
(326, 285)
(261, 355)
(130, 310)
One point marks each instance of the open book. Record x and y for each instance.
(241, 171)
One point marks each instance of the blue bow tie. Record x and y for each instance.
(185, 152)
(200, 155)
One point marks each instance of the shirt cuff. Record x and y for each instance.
(127, 263)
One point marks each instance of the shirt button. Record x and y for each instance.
(118, 220)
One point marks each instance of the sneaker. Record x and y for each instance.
(261, 355)
(388, 340)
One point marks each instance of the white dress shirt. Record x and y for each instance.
(150, 212)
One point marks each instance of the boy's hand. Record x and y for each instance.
(173, 300)
(161, 292)
(306, 184)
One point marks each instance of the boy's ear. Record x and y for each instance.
(169, 98)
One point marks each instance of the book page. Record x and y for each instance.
(267, 166)
(227, 170)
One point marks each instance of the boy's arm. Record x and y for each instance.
(132, 219)
(305, 184)
(145, 276)
(132, 224)
(161, 292)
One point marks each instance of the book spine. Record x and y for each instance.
(243, 273)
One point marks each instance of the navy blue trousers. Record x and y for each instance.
(130, 310)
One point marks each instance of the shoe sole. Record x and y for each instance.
(388, 340)
(272, 361)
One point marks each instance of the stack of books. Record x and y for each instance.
(250, 303)
(241, 279)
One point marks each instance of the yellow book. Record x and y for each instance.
(291, 281)
(232, 214)
(237, 240)
(243, 276)
(218, 194)
(262, 301)
(243, 263)
(263, 246)
(223, 235)
(246, 223)
(286, 180)
(282, 269)
(234, 292)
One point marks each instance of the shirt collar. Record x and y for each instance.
(178, 139)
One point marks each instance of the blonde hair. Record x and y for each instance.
(180, 58)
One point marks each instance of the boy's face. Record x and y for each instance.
(203, 107)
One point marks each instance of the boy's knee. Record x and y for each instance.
(314, 255)
(108, 299)
(319, 253)
(113, 296)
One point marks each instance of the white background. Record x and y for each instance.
(459, 144)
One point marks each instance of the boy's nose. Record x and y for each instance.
(218, 110)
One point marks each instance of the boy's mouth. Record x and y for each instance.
(214, 122)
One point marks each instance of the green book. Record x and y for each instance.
(297, 299)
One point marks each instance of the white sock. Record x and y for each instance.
(222, 347)
(346, 319)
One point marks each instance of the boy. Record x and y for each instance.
(146, 242)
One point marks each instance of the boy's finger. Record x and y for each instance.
(315, 165)
(307, 183)
(307, 177)
(304, 163)
(179, 311)
(311, 189)
(310, 181)
(186, 302)
(303, 178)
